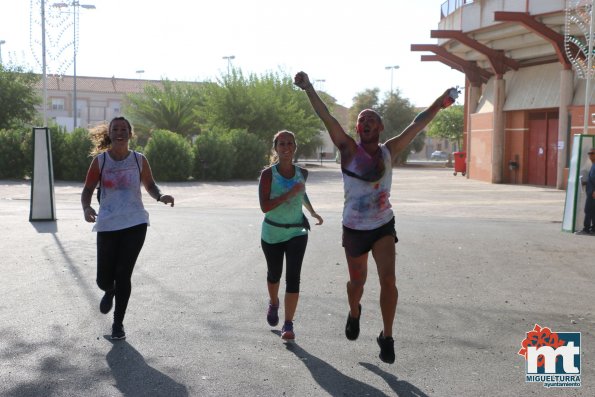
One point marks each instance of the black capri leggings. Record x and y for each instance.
(294, 251)
(116, 256)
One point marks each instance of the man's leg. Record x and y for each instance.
(358, 273)
(383, 252)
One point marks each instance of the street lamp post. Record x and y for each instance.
(229, 58)
(140, 76)
(319, 83)
(75, 8)
(392, 69)
(1, 42)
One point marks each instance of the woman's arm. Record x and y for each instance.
(264, 192)
(308, 205)
(91, 181)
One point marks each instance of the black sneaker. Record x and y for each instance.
(352, 326)
(107, 302)
(118, 331)
(387, 348)
(273, 315)
(287, 331)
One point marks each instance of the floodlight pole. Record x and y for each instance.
(589, 74)
(44, 66)
(392, 69)
(1, 42)
(75, 8)
(229, 58)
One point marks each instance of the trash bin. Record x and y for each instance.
(460, 163)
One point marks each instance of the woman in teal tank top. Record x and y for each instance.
(282, 192)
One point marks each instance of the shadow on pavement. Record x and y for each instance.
(134, 377)
(401, 388)
(45, 226)
(331, 380)
(42, 368)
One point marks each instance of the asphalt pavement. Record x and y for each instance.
(478, 265)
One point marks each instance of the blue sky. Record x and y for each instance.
(346, 43)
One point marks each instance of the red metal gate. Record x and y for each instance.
(543, 149)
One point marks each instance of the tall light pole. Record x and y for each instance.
(229, 58)
(75, 9)
(319, 83)
(1, 42)
(392, 69)
(140, 76)
(589, 71)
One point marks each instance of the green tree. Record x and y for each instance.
(13, 160)
(171, 106)
(367, 99)
(448, 124)
(18, 96)
(261, 105)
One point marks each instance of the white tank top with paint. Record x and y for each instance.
(367, 205)
(121, 200)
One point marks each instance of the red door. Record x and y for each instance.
(537, 149)
(551, 170)
(543, 149)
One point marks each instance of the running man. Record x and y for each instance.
(368, 219)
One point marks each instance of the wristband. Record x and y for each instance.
(159, 197)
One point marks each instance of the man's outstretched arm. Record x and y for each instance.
(398, 143)
(341, 140)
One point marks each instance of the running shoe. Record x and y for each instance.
(387, 348)
(352, 326)
(273, 315)
(287, 331)
(118, 331)
(107, 302)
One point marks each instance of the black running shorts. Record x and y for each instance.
(358, 242)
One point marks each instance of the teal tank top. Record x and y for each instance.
(290, 212)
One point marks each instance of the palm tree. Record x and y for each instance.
(170, 106)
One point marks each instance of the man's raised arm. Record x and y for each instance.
(341, 140)
(398, 143)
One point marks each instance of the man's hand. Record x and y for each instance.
(302, 80)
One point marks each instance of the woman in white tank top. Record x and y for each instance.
(121, 224)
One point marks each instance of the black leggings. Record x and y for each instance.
(293, 250)
(116, 256)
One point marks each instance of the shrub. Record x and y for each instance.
(213, 156)
(13, 162)
(59, 151)
(76, 158)
(170, 156)
(251, 154)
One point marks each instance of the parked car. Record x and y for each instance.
(439, 155)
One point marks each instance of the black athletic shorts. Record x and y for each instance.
(358, 242)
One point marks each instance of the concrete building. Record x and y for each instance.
(98, 98)
(524, 97)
